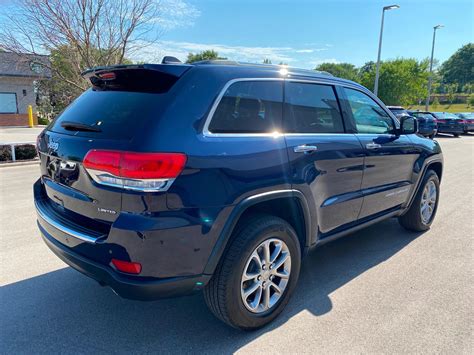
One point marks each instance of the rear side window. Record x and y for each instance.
(369, 117)
(249, 107)
(312, 108)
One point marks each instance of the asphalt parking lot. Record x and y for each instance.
(380, 290)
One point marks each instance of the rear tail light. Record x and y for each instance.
(107, 76)
(462, 121)
(134, 171)
(440, 121)
(127, 266)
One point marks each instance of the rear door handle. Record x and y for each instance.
(305, 148)
(373, 146)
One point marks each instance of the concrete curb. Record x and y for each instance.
(19, 163)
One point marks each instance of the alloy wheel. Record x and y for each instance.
(428, 202)
(266, 275)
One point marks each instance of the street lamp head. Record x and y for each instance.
(438, 26)
(391, 7)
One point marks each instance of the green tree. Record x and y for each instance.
(267, 61)
(204, 55)
(451, 90)
(401, 81)
(468, 88)
(470, 101)
(368, 67)
(435, 102)
(459, 68)
(341, 70)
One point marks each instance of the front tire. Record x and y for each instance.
(422, 212)
(257, 275)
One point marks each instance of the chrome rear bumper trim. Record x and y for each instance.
(63, 228)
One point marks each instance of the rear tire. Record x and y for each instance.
(225, 294)
(416, 220)
(456, 135)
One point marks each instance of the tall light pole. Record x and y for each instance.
(385, 8)
(430, 78)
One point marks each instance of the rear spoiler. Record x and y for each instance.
(175, 70)
(150, 78)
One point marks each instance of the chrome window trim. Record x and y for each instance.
(207, 133)
(78, 235)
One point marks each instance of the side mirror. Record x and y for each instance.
(408, 125)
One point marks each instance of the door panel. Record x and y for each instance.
(331, 176)
(388, 172)
(389, 157)
(326, 163)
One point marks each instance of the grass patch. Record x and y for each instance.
(444, 108)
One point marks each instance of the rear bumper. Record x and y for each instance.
(469, 127)
(447, 129)
(131, 288)
(426, 130)
(172, 257)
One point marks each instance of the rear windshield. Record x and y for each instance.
(117, 114)
(446, 115)
(422, 115)
(398, 111)
(116, 108)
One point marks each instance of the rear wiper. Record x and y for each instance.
(77, 126)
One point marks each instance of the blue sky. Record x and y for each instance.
(306, 33)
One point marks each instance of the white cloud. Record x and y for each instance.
(176, 13)
(180, 50)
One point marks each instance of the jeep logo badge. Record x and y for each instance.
(53, 145)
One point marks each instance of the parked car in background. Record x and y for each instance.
(168, 179)
(398, 111)
(468, 118)
(449, 123)
(427, 125)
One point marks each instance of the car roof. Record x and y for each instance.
(242, 69)
(277, 69)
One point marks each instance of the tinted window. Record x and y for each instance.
(120, 106)
(312, 108)
(446, 115)
(249, 107)
(369, 117)
(422, 115)
(118, 114)
(399, 111)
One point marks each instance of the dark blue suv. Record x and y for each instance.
(166, 179)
